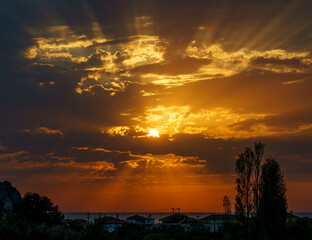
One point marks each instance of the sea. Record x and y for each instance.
(156, 215)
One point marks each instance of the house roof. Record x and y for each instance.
(110, 220)
(136, 217)
(219, 216)
(189, 220)
(177, 218)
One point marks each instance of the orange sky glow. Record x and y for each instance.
(133, 106)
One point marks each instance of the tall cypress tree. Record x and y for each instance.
(272, 203)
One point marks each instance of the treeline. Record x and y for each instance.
(261, 203)
(260, 210)
(36, 218)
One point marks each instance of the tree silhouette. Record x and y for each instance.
(244, 186)
(227, 206)
(258, 152)
(272, 203)
(38, 209)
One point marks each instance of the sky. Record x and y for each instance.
(143, 105)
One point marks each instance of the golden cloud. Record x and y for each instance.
(118, 130)
(212, 123)
(230, 63)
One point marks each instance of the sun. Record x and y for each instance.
(153, 133)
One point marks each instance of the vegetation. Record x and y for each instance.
(261, 205)
(273, 203)
(227, 206)
(258, 155)
(244, 186)
(38, 209)
(261, 210)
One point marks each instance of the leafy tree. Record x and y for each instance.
(272, 203)
(38, 209)
(227, 206)
(248, 169)
(244, 186)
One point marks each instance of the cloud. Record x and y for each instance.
(172, 120)
(255, 91)
(118, 130)
(7, 157)
(291, 64)
(45, 130)
(276, 125)
(102, 77)
(176, 66)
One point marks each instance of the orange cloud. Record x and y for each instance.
(45, 130)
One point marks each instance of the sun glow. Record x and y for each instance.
(153, 133)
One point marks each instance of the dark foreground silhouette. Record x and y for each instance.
(260, 214)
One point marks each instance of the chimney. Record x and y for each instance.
(172, 210)
(178, 211)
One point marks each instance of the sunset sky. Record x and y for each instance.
(122, 106)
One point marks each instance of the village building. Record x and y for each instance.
(183, 222)
(137, 219)
(110, 223)
(212, 223)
